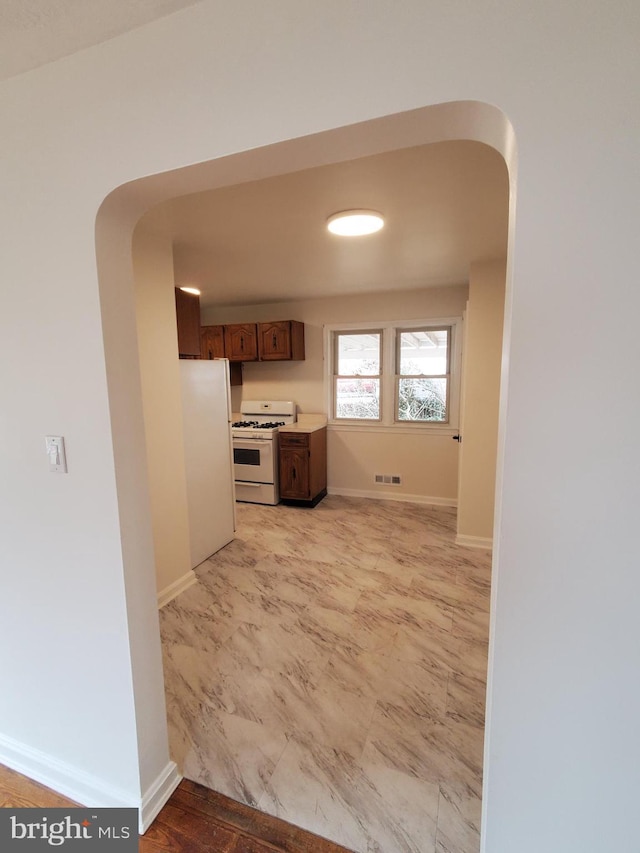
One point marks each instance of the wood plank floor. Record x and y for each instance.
(194, 820)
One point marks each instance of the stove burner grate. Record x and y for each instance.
(258, 425)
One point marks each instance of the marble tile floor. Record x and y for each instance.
(329, 669)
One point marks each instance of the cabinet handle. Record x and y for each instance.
(210, 356)
(241, 343)
(293, 473)
(275, 342)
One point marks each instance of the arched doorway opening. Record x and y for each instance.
(116, 221)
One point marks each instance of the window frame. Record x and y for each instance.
(398, 332)
(389, 379)
(335, 336)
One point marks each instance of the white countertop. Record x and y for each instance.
(306, 423)
(302, 428)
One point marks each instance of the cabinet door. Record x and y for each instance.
(294, 473)
(274, 341)
(241, 342)
(212, 346)
(281, 340)
(188, 320)
(212, 342)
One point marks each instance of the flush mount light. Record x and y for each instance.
(355, 223)
(193, 290)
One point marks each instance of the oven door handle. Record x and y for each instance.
(248, 443)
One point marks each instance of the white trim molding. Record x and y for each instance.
(84, 788)
(157, 795)
(388, 330)
(396, 429)
(474, 541)
(64, 778)
(174, 589)
(392, 496)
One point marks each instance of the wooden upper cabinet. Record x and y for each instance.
(212, 342)
(188, 320)
(282, 340)
(241, 342)
(212, 346)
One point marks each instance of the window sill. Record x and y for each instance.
(411, 428)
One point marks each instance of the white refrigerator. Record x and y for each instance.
(206, 414)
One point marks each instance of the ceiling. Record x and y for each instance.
(445, 205)
(35, 32)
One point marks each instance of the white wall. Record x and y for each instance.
(428, 464)
(562, 752)
(482, 361)
(161, 401)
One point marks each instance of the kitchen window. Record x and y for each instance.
(357, 360)
(399, 376)
(423, 374)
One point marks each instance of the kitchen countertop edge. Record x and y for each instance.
(302, 427)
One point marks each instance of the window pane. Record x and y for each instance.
(423, 351)
(358, 398)
(359, 355)
(422, 400)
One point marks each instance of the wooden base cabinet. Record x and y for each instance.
(303, 467)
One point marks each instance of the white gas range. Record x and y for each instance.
(255, 448)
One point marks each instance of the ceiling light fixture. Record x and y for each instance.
(355, 223)
(193, 290)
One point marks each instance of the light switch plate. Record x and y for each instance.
(56, 454)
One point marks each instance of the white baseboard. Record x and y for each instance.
(392, 496)
(157, 795)
(474, 541)
(84, 788)
(174, 589)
